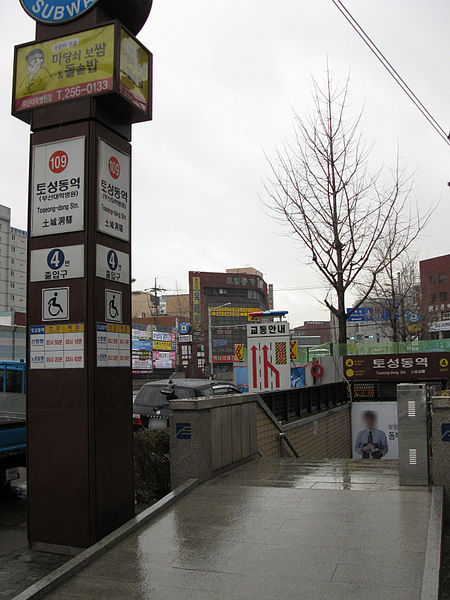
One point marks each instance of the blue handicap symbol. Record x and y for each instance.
(183, 431)
(445, 432)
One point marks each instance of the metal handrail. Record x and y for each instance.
(284, 438)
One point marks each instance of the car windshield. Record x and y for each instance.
(150, 395)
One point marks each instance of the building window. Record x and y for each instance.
(432, 279)
(143, 315)
(442, 277)
(443, 296)
(433, 297)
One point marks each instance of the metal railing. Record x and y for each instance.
(287, 405)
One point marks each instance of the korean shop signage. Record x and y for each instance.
(65, 68)
(54, 12)
(134, 72)
(388, 367)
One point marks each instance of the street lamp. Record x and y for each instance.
(211, 308)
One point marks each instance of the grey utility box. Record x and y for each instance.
(412, 433)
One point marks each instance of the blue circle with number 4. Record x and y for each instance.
(56, 11)
(55, 259)
(112, 260)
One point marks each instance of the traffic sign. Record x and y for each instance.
(269, 356)
(112, 264)
(55, 304)
(294, 350)
(239, 352)
(113, 306)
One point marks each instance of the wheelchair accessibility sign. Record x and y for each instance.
(113, 306)
(55, 304)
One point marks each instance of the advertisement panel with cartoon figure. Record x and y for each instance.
(73, 66)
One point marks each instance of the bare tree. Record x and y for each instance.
(396, 299)
(321, 187)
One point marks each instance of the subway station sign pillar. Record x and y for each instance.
(80, 85)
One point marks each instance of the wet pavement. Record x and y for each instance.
(19, 566)
(445, 568)
(274, 529)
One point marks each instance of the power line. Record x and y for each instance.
(390, 69)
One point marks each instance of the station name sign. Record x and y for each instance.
(54, 12)
(400, 367)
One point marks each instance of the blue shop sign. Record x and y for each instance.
(54, 12)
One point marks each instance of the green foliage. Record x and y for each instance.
(151, 464)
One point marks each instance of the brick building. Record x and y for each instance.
(435, 288)
(317, 328)
(246, 291)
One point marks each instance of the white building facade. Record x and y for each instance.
(13, 264)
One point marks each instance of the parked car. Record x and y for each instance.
(13, 435)
(151, 403)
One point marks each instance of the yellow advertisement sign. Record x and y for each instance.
(196, 304)
(160, 345)
(233, 311)
(73, 66)
(134, 72)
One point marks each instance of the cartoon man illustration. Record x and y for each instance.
(37, 74)
(370, 441)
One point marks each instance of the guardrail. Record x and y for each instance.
(298, 403)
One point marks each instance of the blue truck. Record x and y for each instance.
(13, 435)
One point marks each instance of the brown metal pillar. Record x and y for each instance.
(79, 389)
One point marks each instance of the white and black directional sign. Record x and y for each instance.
(269, 363)
(113, 191)
(58, 187)
(113, 306)
(57, 264)
(55, 304)
(113, 264)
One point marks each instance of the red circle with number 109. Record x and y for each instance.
(114, 167)
(58, 161)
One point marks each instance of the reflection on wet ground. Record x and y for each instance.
(274, 529)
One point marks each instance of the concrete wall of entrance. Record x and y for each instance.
(208, 435)
(324, 435)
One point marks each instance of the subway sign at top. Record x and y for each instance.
(53, 12)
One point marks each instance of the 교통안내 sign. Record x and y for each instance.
(53, 12)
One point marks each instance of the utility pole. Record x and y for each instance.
(401, 291)
(154, 295)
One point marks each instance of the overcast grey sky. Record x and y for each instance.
(227, 74)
